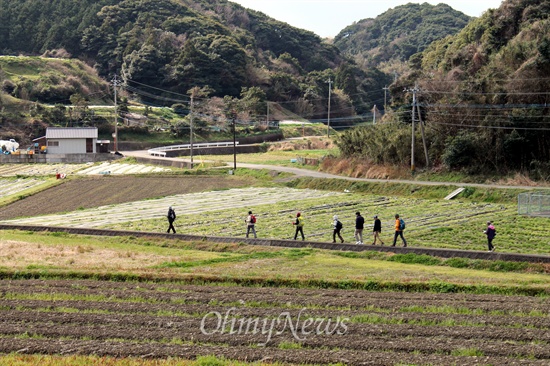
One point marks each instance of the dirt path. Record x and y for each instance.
(315, 174)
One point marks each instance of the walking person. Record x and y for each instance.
(337, 228)
(299, 226)
(171, 218)
(250, 224)
(359, 224)
(377, 230)
(491, 232)
(399, 227)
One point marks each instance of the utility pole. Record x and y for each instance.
(414, 91)
(329, 95)
(191, 127)
(267, 115)
(423, 135)
(234, 141)
(385, 97)
(115, 135)
(416, 108)
(374, 115)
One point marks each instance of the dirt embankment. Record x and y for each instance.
(107, 190)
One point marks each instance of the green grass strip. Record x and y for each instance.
(436, 287)
(287, 254)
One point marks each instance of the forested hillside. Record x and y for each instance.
(483, 94)
(179, 44)
(397, 34)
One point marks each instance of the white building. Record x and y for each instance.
(71, 140)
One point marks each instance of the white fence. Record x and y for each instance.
(161, 151)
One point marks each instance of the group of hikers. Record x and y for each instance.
(376, 230)
(338, 226)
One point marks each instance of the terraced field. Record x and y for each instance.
(10, 187)
(118, 203)
(296, 326)
(193, 205)
(8, 170)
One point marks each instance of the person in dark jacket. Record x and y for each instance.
(171, 218)
(377, 230)
(359, 224)
(491, 232)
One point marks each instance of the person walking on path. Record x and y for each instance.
(359, 224)
(337, 227)
(399, 227)
(299, 226)
(377, 230)
(171, 218)
(490, 232)
(250, 224)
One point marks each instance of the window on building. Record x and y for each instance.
(53, 143)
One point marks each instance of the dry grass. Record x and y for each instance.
(21, 255)
(518, 180)
(362, 169)
(310, 143)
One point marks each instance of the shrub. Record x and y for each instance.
(412, 258)
(504, 266)
(457, 262)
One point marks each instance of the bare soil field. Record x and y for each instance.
(295, 325)
(88, 192)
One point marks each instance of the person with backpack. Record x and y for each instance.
(399, 227)
(337, 227)
(491, 232)
(250, 224)
(299, 226)
(171, 218)
(359, 225)
(377, 230)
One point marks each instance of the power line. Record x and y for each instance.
(489, 127)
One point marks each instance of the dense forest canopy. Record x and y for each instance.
(399, 33)
(483, 95)
(176, 45)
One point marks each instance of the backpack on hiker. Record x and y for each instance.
(401, 224)
(252, 219)
(339, 225)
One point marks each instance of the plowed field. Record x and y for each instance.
(294, 325)
(107, 190)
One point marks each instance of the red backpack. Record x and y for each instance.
(252, 219)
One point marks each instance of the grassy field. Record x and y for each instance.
(280, 158)
(430, 222)
(50, 255)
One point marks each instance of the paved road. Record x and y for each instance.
(315, 174)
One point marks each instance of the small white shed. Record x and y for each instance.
(71, 140)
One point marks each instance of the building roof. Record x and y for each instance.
(71, 133)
